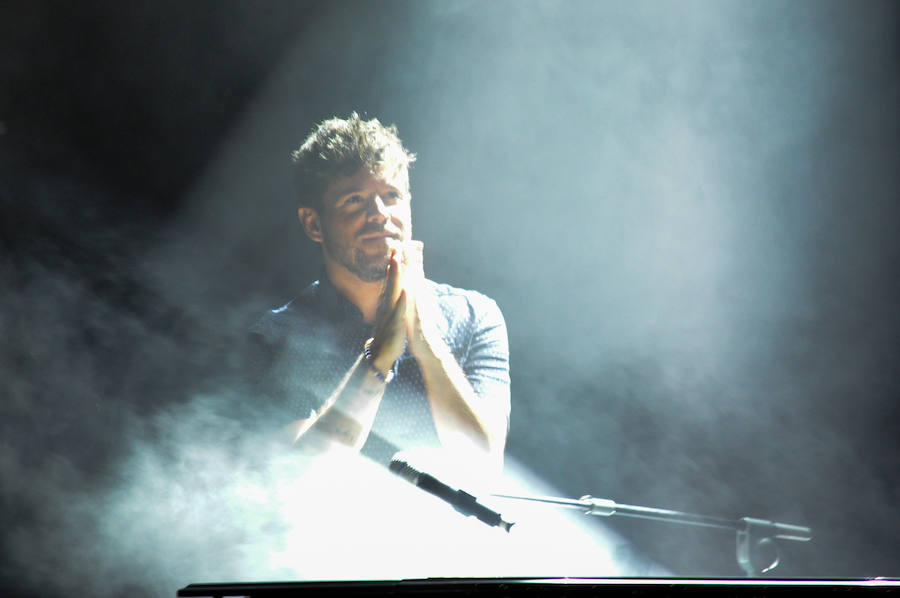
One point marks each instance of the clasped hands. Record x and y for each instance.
(405, 310)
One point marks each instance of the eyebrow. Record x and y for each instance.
(351, 191)
(354, 190)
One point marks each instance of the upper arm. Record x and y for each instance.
(281, 367)
(486, 364)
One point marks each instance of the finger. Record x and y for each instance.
(412, 251)
(411, 293)
(415, 249)
(413, 273)
(390, 335)
(390, 289)
(413, 255)
(393, 317)
(392, 283)
(400, 310)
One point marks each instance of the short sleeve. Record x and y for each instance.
(486, 364)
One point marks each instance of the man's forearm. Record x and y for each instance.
(462, 421)
(348, 414)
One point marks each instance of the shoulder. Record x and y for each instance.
(296, 314)
(472, 306)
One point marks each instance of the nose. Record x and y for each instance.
(378, 208)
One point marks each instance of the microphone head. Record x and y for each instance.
(403, 469)
(460, 500)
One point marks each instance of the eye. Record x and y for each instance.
(355, 198)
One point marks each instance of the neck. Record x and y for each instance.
(364, 295)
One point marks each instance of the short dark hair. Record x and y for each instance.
(340, 147)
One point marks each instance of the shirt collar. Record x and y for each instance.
(331, 299)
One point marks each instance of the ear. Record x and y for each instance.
(312, 225)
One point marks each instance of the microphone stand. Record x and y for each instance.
(757, 549)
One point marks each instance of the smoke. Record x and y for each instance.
(135, 460)
(689, 245)
(683, 211)
(198, 497)
(686, 212)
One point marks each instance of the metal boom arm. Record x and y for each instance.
(757, 551)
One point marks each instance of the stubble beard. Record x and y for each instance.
(362, 265)
(367, 268)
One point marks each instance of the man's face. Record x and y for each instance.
(363, 218)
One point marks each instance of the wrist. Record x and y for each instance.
(383, 367)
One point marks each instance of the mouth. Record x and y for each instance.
(380, 236)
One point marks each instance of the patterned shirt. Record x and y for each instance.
(314, 340)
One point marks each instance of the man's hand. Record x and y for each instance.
(390, 319)
(421, 307)
(406, 311)
(462, 422)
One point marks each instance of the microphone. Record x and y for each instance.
(462, 501)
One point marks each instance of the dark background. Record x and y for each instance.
(687, 212)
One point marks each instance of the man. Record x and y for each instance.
(374, 357)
